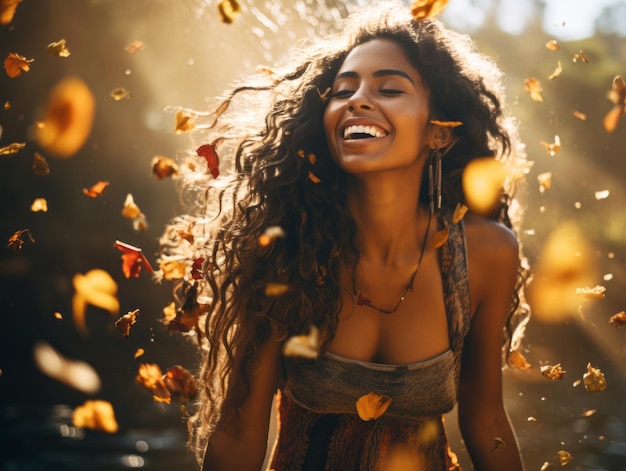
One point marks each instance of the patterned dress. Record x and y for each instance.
(319, 428)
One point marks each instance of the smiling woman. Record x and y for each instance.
(334, 268)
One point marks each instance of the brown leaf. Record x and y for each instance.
(517, 359)
(40, 165)
(67, 118)
(96, 190)
(184, 122)
(12, 149)
(7, 10)
(125, 322)
(372, 406)
(618, 319)
(439, 238)
(594, 379)
(164, 167)
(15, 64)
(58, 48)
(181, 384)
(228, 10)
(16, 243)
(533, 87)
(97, 415)
(421, 9)
(119, 94)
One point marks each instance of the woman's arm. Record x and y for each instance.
(484, 424)
(240, 443)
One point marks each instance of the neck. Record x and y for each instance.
(390, 221)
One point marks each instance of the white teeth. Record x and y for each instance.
(358, 129)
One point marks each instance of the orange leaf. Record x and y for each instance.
(181, 384)
(16, 243)
(446, 124)
(125, 322)
(184, 122)
(163, 167)
(518, 360)
(427, 8)
(14, 64)
(150, 377)
(228, 10)
(459, 213)
(439, 238)
(533, 87)
(96, 190)
(97, 415)
(618, 319)
(7, 10)
(372, 406)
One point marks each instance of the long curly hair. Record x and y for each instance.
(277, 173)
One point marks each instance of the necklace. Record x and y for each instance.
(361, 300)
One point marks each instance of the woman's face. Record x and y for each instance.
(377, 117)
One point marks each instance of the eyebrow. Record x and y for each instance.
(378, 73)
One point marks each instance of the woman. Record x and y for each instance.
(329, 224)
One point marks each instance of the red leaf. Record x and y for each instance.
(132, 259)
(196, 269)
(210, 155)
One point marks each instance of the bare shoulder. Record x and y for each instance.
(493, 257)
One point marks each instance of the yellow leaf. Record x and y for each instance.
(97, 415)
(421, 9)
(59, 48)
(372, 406)
(15, 64)
(439, 238)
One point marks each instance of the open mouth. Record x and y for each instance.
(363, 132)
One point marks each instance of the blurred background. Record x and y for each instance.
(187, 56)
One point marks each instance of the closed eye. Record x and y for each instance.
(390, 91)
(342, 94)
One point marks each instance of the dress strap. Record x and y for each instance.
(455, 278)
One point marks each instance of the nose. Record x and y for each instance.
(360, 101)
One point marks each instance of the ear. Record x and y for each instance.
(441, 137)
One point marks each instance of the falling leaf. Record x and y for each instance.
(314, 178)
(325, 96)
(270, 234)
(564, 457)
(15, 64)
(589, 413)
(459, 212)
(228, 10)
(135, 46)
(580, 115)
(439, 238)
(132, 259)
(96, 287)
(58, 315)
(7, 10)
(58, 48)
(421, 9)
(12, 149)
(482, 183)
(173, 269)
(96, 190)
(210, 155)
(533, 87)
(554, 148)
(372, 406)
(517, 359)
(552, 372)
(164, 167)
(130, 209)
(306, 346)
(446, 124)
(602, 194)
(596, 292)
(125, 322)
(276, 289)
(618, 319)
(150, 377)
(545, 181)
(39, 205)
(553, 45)
(40, 165)
(119, 94)
(181, 384)
(197, 268)
(138, 353)
(67, 118)
(16, 243)
(594, 379)
(557, 71)
(73, 373)
(184, 122)
(97, 415)
(7, 105)
(580, 56)
(617, 95)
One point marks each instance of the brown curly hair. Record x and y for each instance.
(270, 129)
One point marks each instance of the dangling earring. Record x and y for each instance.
(434, 180)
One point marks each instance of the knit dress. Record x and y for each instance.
(319, 427)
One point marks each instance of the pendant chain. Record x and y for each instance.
(364, 301)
